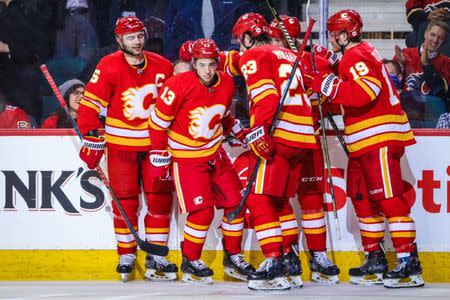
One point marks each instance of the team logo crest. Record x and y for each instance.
(205, 121)
(134, 97)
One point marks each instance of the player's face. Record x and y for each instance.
(75, 98)
(132, 43)
(337, 39)
(205, 68)
(434, 38)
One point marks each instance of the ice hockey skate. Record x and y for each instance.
(125, 266)
(160, 269)
(293, 267)
(271, 275)
(371, 272)
(406, 274)
(323, 270)
(195, 271)
(236, 266)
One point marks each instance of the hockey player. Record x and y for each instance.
(376, 132)
(293, 27)
(127, 83)
(266, 69)
(186, 127)
(311, 189)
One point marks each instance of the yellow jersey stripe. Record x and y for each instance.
(385, 119)
(95, 98)
(402, 137)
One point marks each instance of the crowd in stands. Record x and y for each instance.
(71, 36)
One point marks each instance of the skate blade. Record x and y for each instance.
(189, 278)
(154, 275)
(125, 276)
(235, 274)
(276, 284)
(295, 281)
(372, 279)
(322, 278)
(410, 282)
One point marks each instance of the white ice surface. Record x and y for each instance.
(221, 290)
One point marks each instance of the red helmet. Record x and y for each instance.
(253, 23)
(292, 25)
(347, 20)
(185, 51)
(128, 25)
(205, 48)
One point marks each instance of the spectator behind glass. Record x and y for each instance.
(72, 92)
(419, 13)
(395, 72)
(12, 117)
(23, 47)
(444, 121)
(190, 20)
(76, 35)
(426, 73)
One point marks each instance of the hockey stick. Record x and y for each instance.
(145, 246)
(326, 151)
(322, 123)
(233, 214)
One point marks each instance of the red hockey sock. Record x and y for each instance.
(232, 231)
(403, 234)
(313, 221)
(126, 244)
(195, 231)
(372, 232)
(157, 219)
(288, 224)
(266, 224)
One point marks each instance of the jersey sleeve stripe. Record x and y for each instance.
(366, 88)
(95, 98)
(264, 94)
(90, 105)
(158, 121)
(260, 83)
(256, 91)
(163, 116)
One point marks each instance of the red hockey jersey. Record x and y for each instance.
(266, 70)
(188, 116)
(14, 118)
(373, 116)
(229, 62)
(129, 94)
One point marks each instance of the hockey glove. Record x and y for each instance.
(261, 143)
(327, 86)
(238, 131)
(159, 162)
(92, 150)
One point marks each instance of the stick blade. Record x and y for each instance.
(153, 248)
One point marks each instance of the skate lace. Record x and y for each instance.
(238, 260)
(322, 259)
(400, 265)
(198, 264)
(265, 265)
(161, 260)
(127, 259)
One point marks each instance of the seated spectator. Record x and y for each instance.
(72, 92)
(13, 117)
(426, 74)
(444, 121)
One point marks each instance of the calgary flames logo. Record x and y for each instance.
(205, 121)
(133, 106)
